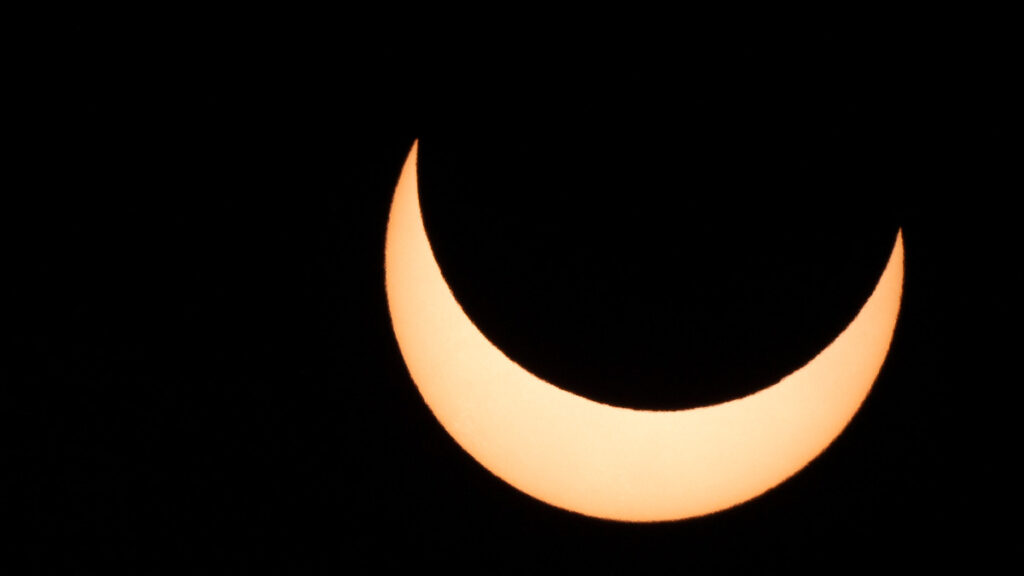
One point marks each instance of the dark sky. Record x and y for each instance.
(211, 375)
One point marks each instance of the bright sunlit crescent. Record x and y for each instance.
(607, 461)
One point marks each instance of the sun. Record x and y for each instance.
(607, 461)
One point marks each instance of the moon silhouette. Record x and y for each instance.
(607, 461)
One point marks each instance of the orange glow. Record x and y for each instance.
(607, 461)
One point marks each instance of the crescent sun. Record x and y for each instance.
(606, 461)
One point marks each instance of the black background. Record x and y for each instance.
(207, 371)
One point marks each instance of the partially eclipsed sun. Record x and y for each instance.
(607, 461)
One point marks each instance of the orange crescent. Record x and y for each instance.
(607, 461)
